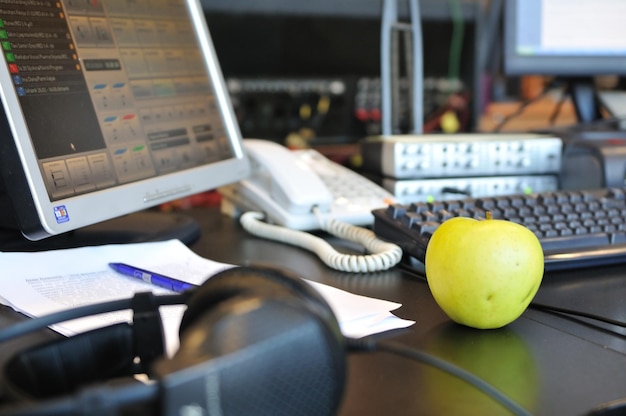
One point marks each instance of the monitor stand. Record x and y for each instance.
(584, 97)
(139, 227)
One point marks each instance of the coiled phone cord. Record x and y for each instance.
(384, 255)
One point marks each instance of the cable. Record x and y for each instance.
(456, 46)
(369, 344)
(535, 305)
(420, 274)
(519, 110)
(557, 109)
(384, 255)
(93, 400)
(31, 325)
(573, 312)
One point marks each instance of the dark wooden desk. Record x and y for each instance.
(552, 365)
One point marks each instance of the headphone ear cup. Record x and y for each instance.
(268, 281)
(261, 341)
(63, 367)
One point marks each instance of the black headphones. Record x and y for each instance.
(253, 341)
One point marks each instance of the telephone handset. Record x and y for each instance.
(298, 188)
(289, 191)
(285, 189)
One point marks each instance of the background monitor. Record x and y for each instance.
(574, 39)
(110, 107)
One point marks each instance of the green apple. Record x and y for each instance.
(483, 273)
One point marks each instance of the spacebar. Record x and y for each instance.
(574, 242)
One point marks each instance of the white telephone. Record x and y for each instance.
(290, 191)
(299, 188)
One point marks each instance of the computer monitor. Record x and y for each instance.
(110, 107)
(574, 39)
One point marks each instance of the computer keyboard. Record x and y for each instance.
(575, 228)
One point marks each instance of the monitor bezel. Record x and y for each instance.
(26, 187)
(562, 65)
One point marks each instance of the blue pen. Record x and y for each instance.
(151, 277)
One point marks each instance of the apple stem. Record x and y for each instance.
(488, 215)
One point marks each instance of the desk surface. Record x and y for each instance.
(552, 365)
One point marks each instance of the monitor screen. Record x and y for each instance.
(110, 107)
(565, 37)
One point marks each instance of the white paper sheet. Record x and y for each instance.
(40, 283)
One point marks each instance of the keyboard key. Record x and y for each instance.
(618, 238)
(396, 210)
(427, 227)
(575, 241)
(616, 193)
(410, 219)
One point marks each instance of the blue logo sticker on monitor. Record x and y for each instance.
(61, 214)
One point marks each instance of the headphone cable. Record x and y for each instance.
(370, 345)
(34, 324)
(99, 400)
